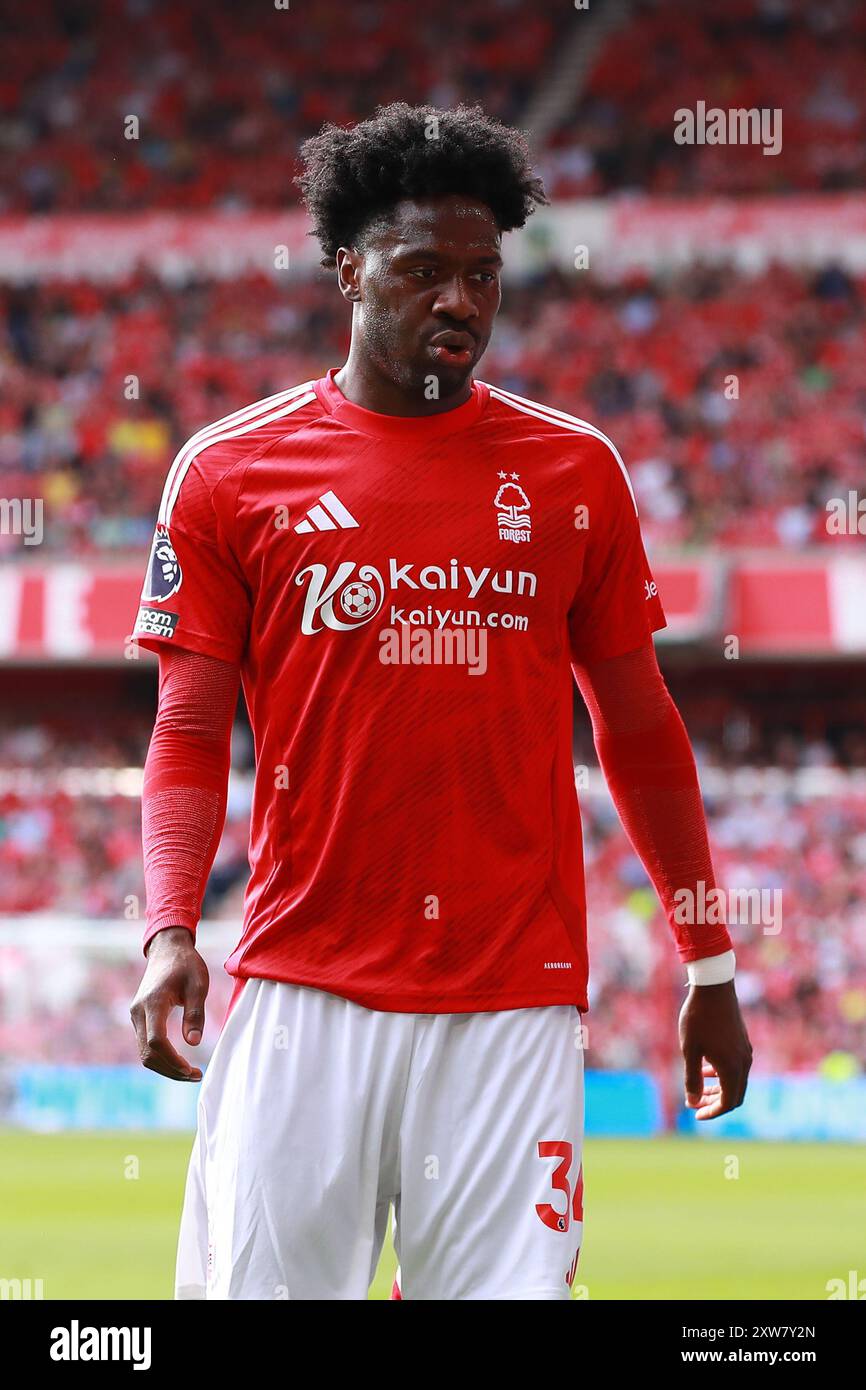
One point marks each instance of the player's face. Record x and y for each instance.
(427, 287)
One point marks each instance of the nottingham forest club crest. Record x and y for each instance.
(163, 571)
(512, 512)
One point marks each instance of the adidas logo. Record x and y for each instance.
(335, 518)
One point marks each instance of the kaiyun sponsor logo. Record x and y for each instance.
(355, 593)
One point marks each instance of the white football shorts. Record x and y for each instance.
(315, 1115)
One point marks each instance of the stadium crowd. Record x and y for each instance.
(716, 387)
(802, 975)
(223, 96)
(802, 60)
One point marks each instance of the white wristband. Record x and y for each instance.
(712, 970)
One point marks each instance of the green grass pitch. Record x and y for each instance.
(662, 1218)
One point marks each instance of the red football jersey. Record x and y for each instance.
(405, 596)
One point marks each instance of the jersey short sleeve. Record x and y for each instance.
(617, 606)
(194, 592)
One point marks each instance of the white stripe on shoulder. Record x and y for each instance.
(262, 412)
(567, 422)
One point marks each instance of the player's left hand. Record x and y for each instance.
(715, 1046)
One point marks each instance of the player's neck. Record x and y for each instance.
(363, 385)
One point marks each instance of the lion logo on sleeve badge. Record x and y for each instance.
(164, 576)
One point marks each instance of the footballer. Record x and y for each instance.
(406, 1021)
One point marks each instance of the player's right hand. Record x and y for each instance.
(175, 976)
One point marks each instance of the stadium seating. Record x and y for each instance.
(223, 96)
(716, 387)
(802, 59)
(68, 851)
(736, 399)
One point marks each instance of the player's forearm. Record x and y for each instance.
(185, 787)
(647, 760)
(657, 796)
(182, 821)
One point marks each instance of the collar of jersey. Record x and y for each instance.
(398, 426)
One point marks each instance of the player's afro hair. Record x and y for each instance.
(350, 177)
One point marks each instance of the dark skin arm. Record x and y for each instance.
(175, 976)
(715, 1046)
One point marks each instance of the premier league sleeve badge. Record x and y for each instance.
(163, 570)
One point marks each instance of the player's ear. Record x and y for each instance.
(349, 264)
